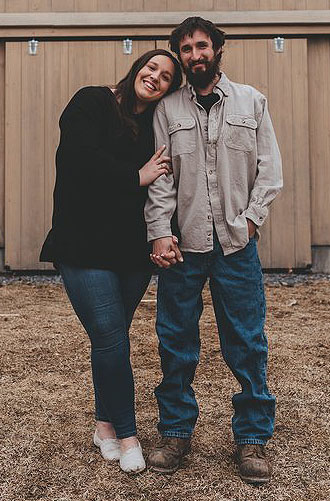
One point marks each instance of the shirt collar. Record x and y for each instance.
(222, 86)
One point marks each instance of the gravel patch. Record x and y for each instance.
(47, 411)
(270, 278)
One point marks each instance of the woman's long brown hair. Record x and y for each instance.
(125, 92)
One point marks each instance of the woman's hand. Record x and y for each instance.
(157, 165)
(165, 252)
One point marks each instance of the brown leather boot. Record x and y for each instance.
(167, 455)
(253, 466)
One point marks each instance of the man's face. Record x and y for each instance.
(199, 61)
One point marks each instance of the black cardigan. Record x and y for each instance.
(98, 217)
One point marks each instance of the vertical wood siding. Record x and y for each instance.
(157, 5)
(32, 152)
(319, 117)
(38, 88)
(282, 77)
(13, 178)
(2, 144)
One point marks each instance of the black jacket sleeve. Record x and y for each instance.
(89, 118)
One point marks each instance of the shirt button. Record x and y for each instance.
(208, 217)
(208, 239)
(211, 172)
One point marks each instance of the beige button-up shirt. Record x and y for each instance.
(226, 167)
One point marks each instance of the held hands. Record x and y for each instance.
(157, 165)
(166, 252)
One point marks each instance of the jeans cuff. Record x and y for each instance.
(126, 434)
(245, 441)
(176, 434)
(100, 418)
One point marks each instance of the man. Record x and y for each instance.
(226, 171)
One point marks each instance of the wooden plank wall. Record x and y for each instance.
(2, 145)
(13, 155)
(318, 82)
(157, 5)
(282, 77)
(319, 133)
(286, 234)
(39, 87)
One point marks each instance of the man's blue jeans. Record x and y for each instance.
(105, 302)
(236, 286)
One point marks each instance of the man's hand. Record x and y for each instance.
(166, 252)
(252, 227)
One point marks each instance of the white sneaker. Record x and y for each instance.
(109, 447)
(132, 460)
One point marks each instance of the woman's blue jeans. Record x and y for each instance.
(105, 302)
(236, 286)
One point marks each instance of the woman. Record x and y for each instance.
(104, 164)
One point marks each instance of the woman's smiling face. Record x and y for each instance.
(153, 80)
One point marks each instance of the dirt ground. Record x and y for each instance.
(46, 426)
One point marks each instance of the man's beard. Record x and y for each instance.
(201, 79)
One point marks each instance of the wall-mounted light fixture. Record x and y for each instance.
(127, 46)
(33, 47)
(279, 44)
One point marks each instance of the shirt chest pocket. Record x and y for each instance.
(240, 132)
(182, 133)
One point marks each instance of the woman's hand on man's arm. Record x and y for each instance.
(158, 165)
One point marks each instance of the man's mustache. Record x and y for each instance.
(196, 63)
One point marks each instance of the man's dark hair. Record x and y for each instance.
(189, 26)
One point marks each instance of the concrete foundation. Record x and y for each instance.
(321, 258)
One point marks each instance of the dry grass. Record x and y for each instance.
(47, 405)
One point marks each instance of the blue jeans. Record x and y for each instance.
(105, 302)
(236, 286)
